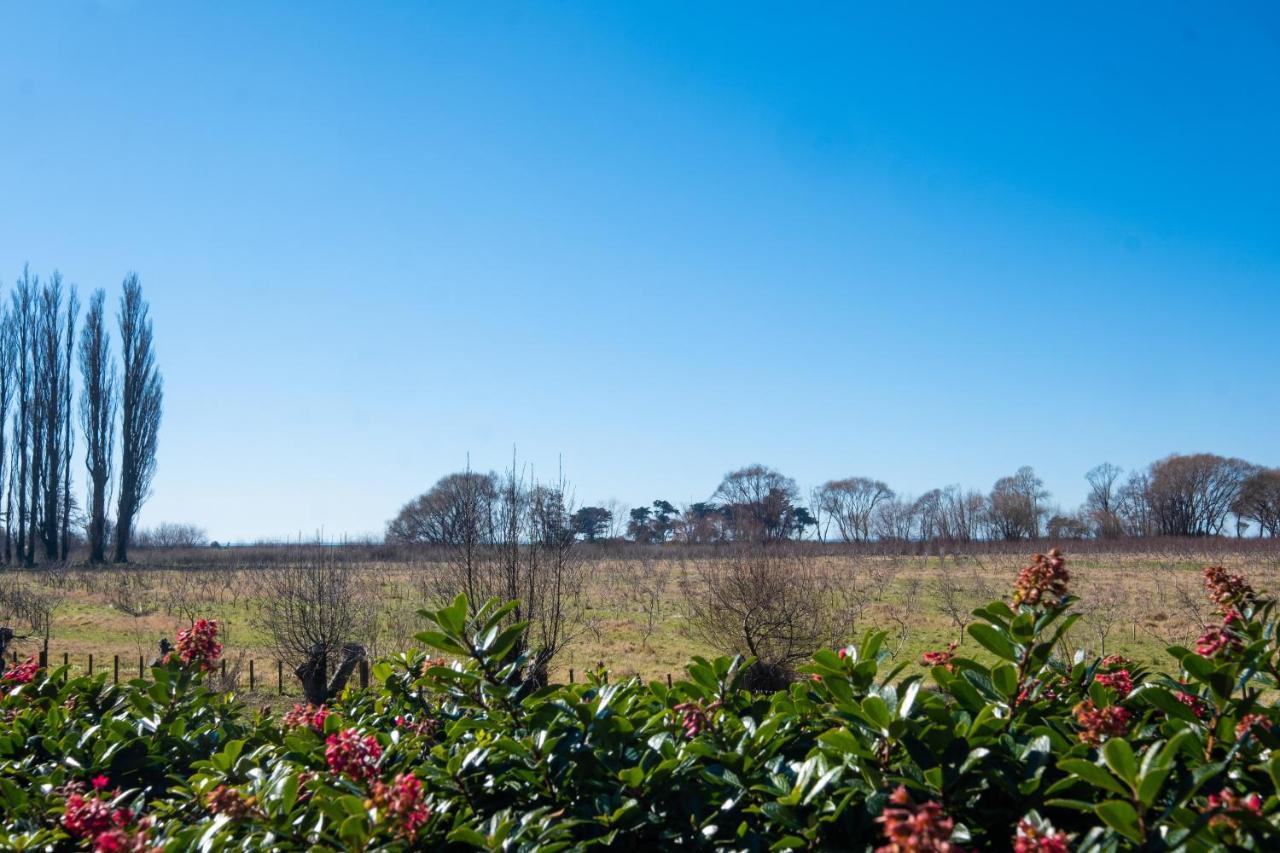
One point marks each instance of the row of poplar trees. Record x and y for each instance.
(41, 345)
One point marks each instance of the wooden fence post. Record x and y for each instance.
(364, 672)
(280, 676)
(139, 666)
(250, 675)
(668, 681)
(571, 675)
(66, 659)
(91, 664)
(115, 671)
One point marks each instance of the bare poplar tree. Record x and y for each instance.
(52, 424)
(46, 356)
(99, 400)
(7, 378)
(23, 316)
(141, 394)
(68, 433)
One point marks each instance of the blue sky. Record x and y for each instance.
(655, 242)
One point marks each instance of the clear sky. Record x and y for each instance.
(927, 243)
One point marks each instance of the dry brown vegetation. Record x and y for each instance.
(642, 605)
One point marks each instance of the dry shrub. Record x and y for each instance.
(775, 604)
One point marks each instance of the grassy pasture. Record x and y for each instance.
(1132, 602)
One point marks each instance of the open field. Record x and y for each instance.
(1135, 602)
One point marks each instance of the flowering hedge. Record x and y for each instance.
(1023, 749)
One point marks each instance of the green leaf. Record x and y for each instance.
(878, 712)
(1092, 774)
(1119, 757)
(1005, 679)
(1121, 817)
(1023, 628)
(1151, 783)
(443, 642)
(994, 640)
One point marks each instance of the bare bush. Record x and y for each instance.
(646, 589)
(774, 604)
(29, 606)
(316, 610)
(170, 534)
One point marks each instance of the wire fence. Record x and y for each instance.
(242, 672)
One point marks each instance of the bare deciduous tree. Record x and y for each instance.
(99, 401)
(1103, 500)
(851, 504)
(1259, 500)
(1192, 495)
(1017, 505)
(141, 394)
(759, 503)
(8, 377)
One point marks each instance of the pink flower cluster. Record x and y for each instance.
(1227, 806)
(1034, 839)
(942, 658)
(1219, 640)
(1226, 589)
(403, 804)
(1197, 705)
(86, 816)
(122, 840)
(22, 673)
(695, 718)
(306, 716)
(198, 645)
(1253, 722)
(1098, 724)
(1042, 582)
(1119, 681)
(108, 829)
(911, 827)
(230, 802)
(1048, 691)
(348, 754)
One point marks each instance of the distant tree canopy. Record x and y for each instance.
(759, 503)
(457, 505)
(1179, 495)
(592, 522)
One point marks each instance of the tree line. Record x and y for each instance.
(1200, 494)
(115, 411)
